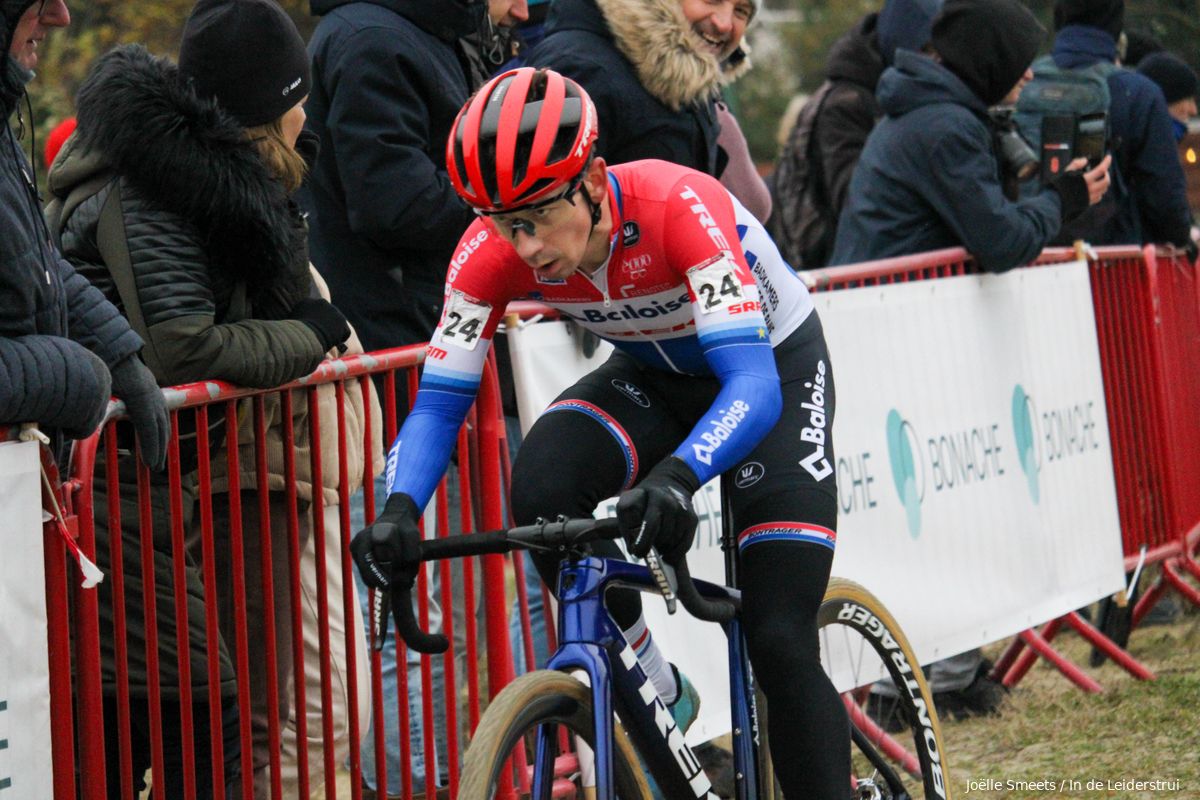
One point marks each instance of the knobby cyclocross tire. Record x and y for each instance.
(535, 698)
(850, 616)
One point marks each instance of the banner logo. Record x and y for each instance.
(1024, 415)
(908, 471)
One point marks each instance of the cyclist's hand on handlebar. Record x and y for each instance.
(658, 511)
(386, 551)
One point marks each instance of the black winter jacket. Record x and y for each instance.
(818, 160)
(641, 64)
(216, 253)
(49, 315)
(388, 81)
(928, 179)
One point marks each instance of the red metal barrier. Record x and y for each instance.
(199, 517)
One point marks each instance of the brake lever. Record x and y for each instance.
(664, 576)
(380, 609)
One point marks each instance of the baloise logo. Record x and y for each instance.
(1024, 416)
(908, 471)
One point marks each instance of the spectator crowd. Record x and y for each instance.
(261, 204)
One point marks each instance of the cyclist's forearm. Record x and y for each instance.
(422, 449)
(745, 410)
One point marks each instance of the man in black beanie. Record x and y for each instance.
(929, 177)
(1150, 188)
(1178, 83)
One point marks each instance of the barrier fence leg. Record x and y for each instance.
(87, 664)
(62, 728)
(1007, 659)
(1189, 563)
(1027, 658)
(1042, 647)
(1148, 600)
(1171, 573)
(887, 745)
(1110, 648)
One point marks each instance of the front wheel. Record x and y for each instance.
(860, 645)
(504, 746)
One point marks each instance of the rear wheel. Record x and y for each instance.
(897, 740)
(504, 746)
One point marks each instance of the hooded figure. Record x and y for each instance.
(928, 177)
(818, 160)
(1152, 206)
(651, 75)
(59, 337)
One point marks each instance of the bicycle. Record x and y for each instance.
(521, 739)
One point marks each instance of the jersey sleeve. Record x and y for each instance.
(476, 296)
(702, 244)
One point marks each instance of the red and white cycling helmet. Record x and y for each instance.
(520, 139)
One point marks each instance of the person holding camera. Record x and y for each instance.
(930, 175)
(1150, 192)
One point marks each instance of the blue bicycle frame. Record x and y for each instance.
(590, 641)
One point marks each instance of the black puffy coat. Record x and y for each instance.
(640, 63)
(49, 315)
(216, 252)
(388, 81)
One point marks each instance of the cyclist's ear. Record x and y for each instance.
(595, 182)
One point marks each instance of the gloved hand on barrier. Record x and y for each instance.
(326, 321)
(658, 511)
(386, 550)
(133, 383)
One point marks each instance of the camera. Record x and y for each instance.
(1066, 137)
(1016, 156)
(1090, 138)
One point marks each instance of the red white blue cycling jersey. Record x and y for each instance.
(692, 284)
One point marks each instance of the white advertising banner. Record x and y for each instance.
(975, 483)
(25, 768)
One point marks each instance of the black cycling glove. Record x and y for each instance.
(658, 511)
(386, 551)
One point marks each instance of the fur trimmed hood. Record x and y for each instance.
(186, 156)
(668, 55)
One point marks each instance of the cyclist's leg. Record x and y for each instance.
(785, 511)
(596, 439)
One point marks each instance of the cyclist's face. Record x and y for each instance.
(551, 239)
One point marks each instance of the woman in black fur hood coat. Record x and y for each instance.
(173, 198)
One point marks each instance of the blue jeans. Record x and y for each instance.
(391, 686)
(537, 621)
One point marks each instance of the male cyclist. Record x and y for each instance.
(720, 366)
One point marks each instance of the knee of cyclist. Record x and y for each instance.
(781, 650)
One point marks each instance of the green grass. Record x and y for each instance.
(1049, 730)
